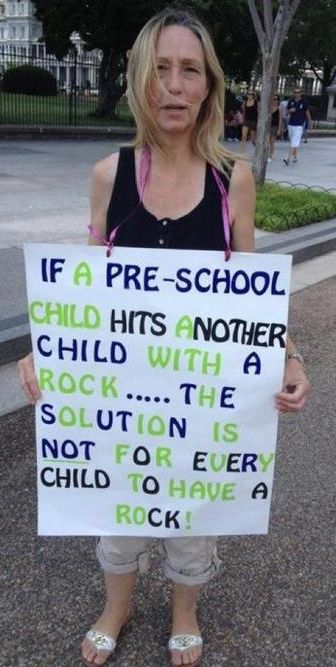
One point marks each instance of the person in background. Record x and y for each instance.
(250, 122)
(284, 119)
(305, 127)
(239, 119)
(298, 113)
(186, 179)
(230, 126)
(276, 124)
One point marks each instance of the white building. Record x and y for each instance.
(18, 25)
(20, 35)
(332, 100)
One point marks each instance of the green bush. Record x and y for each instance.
(29, 80)
(280, 208)
(122, 110)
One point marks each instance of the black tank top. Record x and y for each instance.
(251, 112)
(201, 229)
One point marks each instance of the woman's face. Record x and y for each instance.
(177, 93)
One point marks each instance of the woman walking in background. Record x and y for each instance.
(250, 112)
(275, 131)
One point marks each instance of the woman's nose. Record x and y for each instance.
(174, 80)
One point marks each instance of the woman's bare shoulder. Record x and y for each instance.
(242, 175)
(104, 171)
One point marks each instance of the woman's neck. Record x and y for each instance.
(174, 153)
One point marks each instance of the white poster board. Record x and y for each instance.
(158, 370)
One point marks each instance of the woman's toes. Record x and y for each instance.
(101, 657)
(176, 658)
(88, 651)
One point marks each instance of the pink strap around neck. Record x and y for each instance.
(145, 165)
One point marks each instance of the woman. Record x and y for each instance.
(250, 111)
(176, 94)
(275, 131)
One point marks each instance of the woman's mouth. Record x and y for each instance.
(174, 107)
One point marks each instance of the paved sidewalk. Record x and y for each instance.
(44, 189)
(273, 604)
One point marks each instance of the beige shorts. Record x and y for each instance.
(186, 560)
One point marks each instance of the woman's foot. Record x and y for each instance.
(109, 624)
(187, 651)
(185, 644)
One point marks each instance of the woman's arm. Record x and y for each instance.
(102, 183)
(296, 385)
(242, 205)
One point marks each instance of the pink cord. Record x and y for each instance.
(145, 165)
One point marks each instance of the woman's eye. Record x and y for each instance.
(194, 70)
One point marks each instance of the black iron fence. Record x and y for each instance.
(76, 96)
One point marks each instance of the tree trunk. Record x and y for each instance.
(108, 93)
(269, 87)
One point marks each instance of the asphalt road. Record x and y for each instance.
(273, 604)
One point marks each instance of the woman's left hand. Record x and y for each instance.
(296, 387)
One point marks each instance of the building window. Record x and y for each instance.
(22, 32)
(2, 9)
(334, 102)
(13, 32)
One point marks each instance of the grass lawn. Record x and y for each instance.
(19, 109)
(279, 208)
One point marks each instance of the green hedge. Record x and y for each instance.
(280, 208)
(29, 80)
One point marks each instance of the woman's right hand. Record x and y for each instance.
(28, 379)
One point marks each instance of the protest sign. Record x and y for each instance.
(158, 371)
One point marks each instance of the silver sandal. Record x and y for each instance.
(100, 641)
(183, 643)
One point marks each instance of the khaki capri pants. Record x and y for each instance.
(186, 560)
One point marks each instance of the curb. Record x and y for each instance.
(64, 132)
(84, 132)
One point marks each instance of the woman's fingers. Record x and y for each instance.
(28, 379)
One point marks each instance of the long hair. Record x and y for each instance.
(208, 131)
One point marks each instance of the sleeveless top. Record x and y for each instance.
(200, 229)
(251, 112)
(275, 118)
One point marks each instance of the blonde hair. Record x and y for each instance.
(208, 130)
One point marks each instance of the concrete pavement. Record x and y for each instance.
(273, 605)
(44, 189)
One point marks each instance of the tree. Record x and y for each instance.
(235, 40)
(108, 25)
(112, 25)
(271, 21)
(308, 48)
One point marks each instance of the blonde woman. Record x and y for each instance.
(176, 94)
